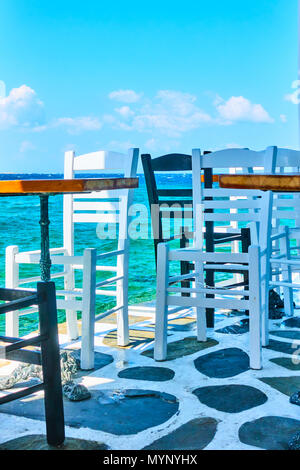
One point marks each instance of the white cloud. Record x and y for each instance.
(73, 125)
(78, 124)
(125, 96)
(181, 103)
(170, 113)
(21, 108)
(125, 111)
(238, 108)
(294, 97)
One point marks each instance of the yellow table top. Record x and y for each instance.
(278, 183)
(64, 186)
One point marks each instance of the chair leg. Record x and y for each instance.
(54, 411)
(210, 274)
(161, 320)
(255, 313)
(123, 323)
(287, 275)
(71, 315)
(71, 319)
(12, 282)
(200, 311)
(88, 309)
(201, 325)
(246, 242)
(265, 301)
(122, 297)
(265, 313)
(184, 265)
(210, 246)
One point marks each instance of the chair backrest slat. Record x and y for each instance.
(172, 162)
(104, 160)
(95, 206)
(98, 207)
(241, 161)
(96, 218)
(243, 203)
(175, 192)
(229, 217)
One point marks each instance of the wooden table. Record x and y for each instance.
(46, 188)
(278, 183)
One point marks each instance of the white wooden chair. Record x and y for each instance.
(285, 267)
(285, 213)
(101, 208)
(235, 161)
(273, 160)
(256, 209)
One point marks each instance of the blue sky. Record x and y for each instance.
(162, 76)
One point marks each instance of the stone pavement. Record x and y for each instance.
(204, 396)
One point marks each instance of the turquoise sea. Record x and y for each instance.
(19, 225)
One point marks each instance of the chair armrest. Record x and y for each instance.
(33, 257)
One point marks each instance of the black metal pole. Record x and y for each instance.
(45, 262)
(54, 411)
(210, 248)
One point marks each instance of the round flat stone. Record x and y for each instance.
(194, 435)
(287, 363)
(224, 363)
(184, 347)
(155, 374)
(238, 328)
(230, 398)
(132, 411)
(39, 442)
(286, 334)
(286, 385)
(282, 347)
(269, 432)
(293, 322)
